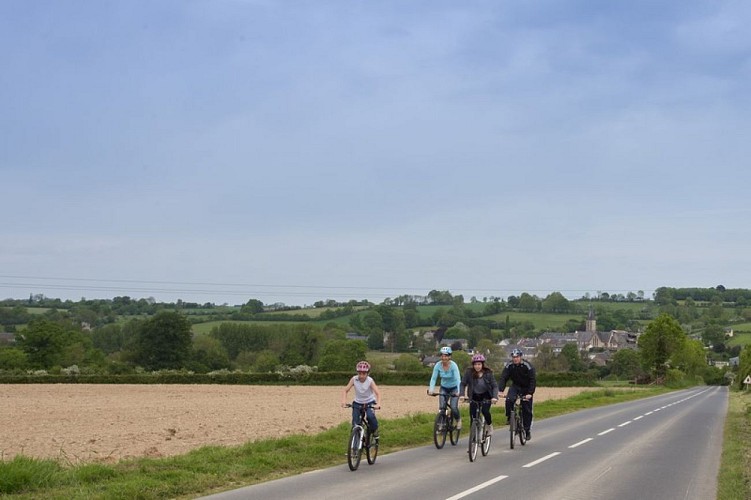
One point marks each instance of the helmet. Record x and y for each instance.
(363, 366)
(478, 358)
(516, 352)
(446, 350)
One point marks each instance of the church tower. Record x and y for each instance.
(591, 324)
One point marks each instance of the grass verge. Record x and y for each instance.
(211, 469)
(734, 479)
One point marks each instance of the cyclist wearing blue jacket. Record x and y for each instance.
(451, 379)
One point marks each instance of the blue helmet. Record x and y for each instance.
(446, 350)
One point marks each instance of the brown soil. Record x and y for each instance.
(107, 423)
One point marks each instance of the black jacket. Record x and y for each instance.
(521, 375)
(468, 381)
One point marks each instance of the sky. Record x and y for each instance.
(293, 151)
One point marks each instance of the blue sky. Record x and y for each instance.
(217, 151)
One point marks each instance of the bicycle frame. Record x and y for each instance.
(478, 435)
(516, 423)
(360, 438)
(444, 423)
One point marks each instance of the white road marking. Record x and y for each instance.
(648, 413)
(581, 443)
(476, 488)
(532, 464)
(605, 432)
(624, 423)
(639, 417)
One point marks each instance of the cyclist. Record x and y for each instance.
(451, 379)
(522, 375)
(481, 386)
(366, 392)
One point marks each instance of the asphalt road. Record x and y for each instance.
(665, 447)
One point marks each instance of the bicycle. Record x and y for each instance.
(479, 437)
(361, 437)
(516, 424)
(444, 424)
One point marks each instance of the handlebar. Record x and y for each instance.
(369, 405)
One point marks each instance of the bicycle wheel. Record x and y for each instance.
(520, 431)
(474, 438)
(372, 448)
(439, 430)
(354, 450)
(453, 431)
(486, 438)
(512, 429)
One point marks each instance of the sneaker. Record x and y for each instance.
(529, 435)
(376, 437)
(489, 429)
(459, 425)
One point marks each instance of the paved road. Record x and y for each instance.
(665, 447)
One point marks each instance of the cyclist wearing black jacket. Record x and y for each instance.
(523, 382)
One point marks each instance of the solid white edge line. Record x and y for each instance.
(605, 432)
(581, 442)
(539, 460)
(476, 488)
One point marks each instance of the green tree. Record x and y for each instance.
(408, 363)
(266, 361)
(626, 364)
(163, 342)
(341, 355)
(556, 303)
(253, 306)
(50, 343)
(208, 354)
(744, 365)
(662, 338)
(570, 353)
(12, 358)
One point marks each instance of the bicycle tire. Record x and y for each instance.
(474, 436)
(522, 434)
(486, 439)
(371, 450)
(453, 431)
(354, 448)
(512, 429)
(440, 428)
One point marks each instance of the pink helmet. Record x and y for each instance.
(363, 366)
(478, 358)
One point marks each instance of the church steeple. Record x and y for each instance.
(591, 323)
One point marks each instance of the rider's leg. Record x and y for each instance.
(510, 400)
(527, 414)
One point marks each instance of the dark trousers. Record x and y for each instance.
(526, 406)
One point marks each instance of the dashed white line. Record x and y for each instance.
(639, 417)
(648, 413)
(532, 464)
(476, 488)
(581, 442)
(624, 423)
(605, 432)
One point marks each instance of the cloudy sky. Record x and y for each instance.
(294, 151)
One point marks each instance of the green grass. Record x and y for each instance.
(212, 469)
(734, 479)
(542, 321)
(741, 339)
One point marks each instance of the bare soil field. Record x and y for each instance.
(106, 423)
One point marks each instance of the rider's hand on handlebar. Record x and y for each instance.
(528, 397)
(431, 393)
(494, 400)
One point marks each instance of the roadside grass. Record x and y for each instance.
(734, 479)
(211, 469)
